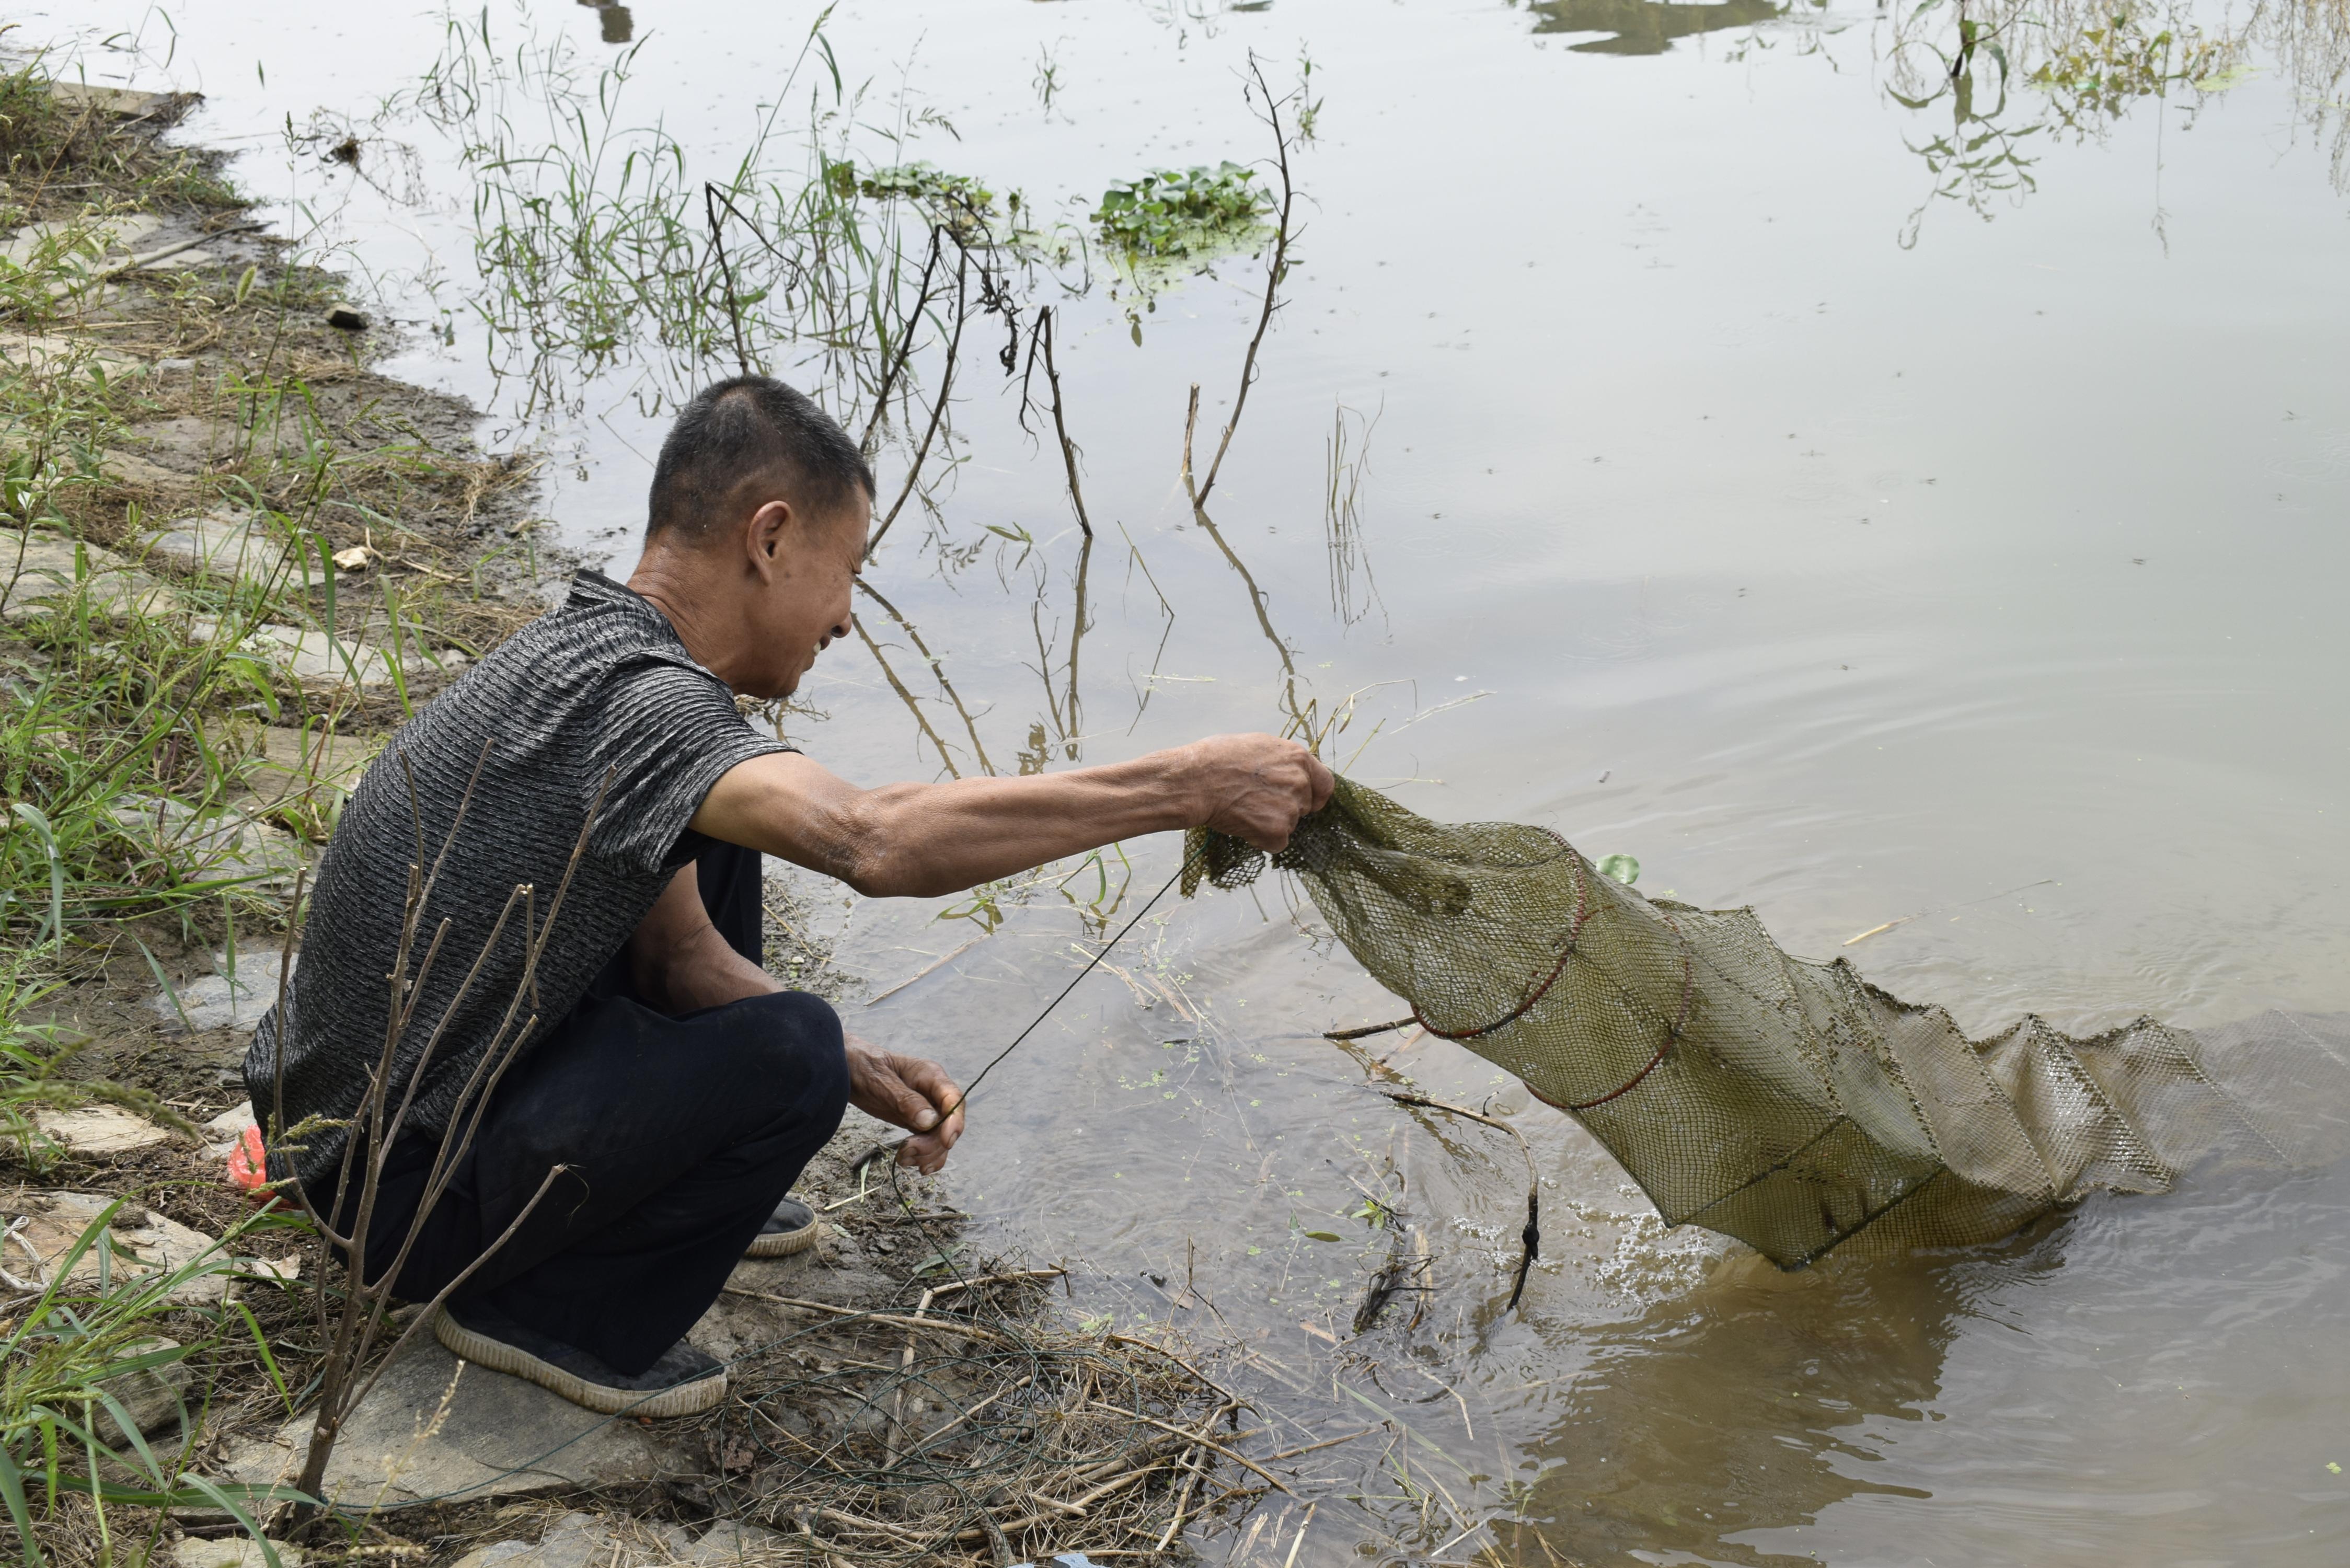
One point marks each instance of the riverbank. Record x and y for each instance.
(235, 557)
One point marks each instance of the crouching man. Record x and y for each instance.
(675, 1086)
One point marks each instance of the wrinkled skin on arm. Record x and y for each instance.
(911, 840)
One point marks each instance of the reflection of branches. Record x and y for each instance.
(1076, 637)
(711, 198)
(1264, 622)
(1977, 160)
(937, 669)
(2091, 59)
(1042, 339)
(1198, 492)
(1063, 706)
(1342, 526)
(938, 408)
(2093, 80)
(2311, 40)
(912, 706)
(906, 330)
(1274, 271)
(1133, 559)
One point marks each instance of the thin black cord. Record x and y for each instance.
(965, 1098)
(938, 1247)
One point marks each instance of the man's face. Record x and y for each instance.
(809, 604)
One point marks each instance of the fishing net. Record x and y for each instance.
(1790, 1105)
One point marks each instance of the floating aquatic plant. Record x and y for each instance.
(1170, 214)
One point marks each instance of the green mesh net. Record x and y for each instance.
(1790, 1104)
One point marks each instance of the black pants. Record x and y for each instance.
(681, 1135)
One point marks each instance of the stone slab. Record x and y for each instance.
(152, 1396)
(297, 763)
(142, 1241)
(431, 1430)
(99, 1129)
(587, 1541)
(45, 573)
(57, 351)
(221, 1134)
(187, 444)
(309, 655)
(732, 1541)
(225, 542)
(231, 1551)
(128, 103)
(124, 468)
(106, 236)
(47, 570)
(215, 1002)
(213, 844)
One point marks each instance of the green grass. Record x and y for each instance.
(71, 1456)
(119, 714)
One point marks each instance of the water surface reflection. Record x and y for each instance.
(1735, 1408)
(1644, 27)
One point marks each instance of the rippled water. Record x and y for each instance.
(1833, 525)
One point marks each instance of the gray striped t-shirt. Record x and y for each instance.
(599, 690)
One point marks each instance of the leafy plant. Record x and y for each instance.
(951, 199)
(1172, 213)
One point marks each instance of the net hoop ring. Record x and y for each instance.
(1583, 912)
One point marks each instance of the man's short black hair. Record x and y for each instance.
(739, 429)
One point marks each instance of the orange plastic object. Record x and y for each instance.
(248, 1164)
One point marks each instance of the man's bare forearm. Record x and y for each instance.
(925, 840)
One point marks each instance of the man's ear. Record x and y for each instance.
(763, 538)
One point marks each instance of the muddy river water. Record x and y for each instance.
(1702, 428)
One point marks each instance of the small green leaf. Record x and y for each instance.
(1319, 1235)
(1624, 868)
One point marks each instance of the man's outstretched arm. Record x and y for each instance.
(908, 840)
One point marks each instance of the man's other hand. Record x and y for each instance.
(1257, 786)
(907, 1092)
